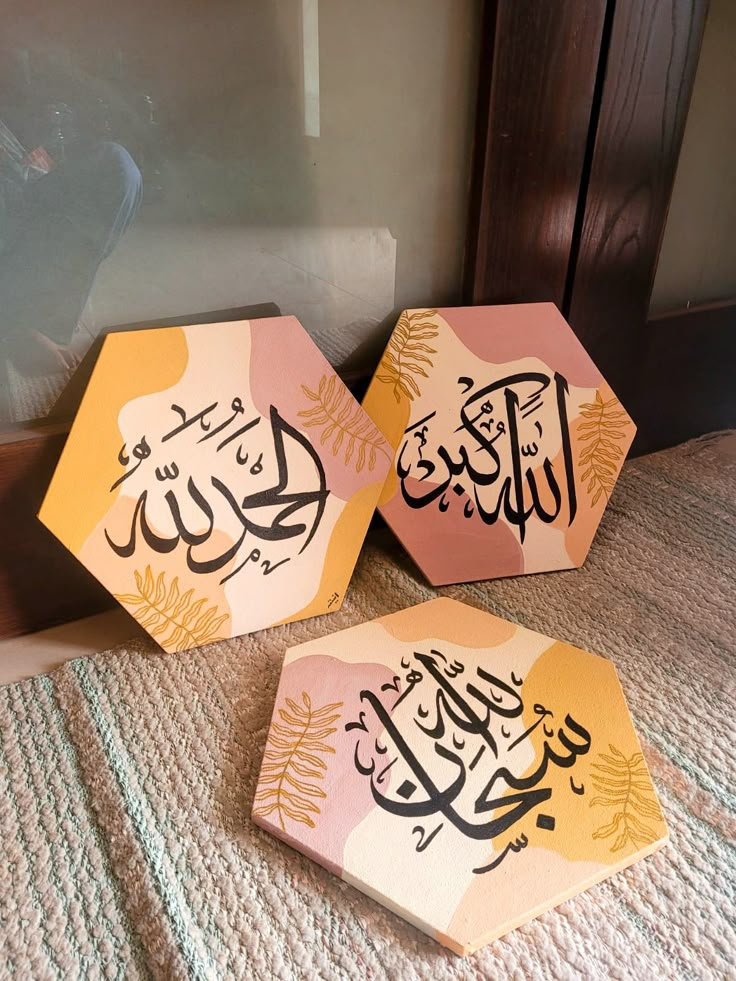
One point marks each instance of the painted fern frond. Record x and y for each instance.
(293, 762)
(624, 783)
(600, 460)
(407, 356)
(177, 620)
(345, 426)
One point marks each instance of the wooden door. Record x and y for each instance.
(582, 108)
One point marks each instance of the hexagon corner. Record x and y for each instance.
(462, 770)
(212, 488)
(507, 440)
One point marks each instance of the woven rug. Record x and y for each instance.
(127, 778)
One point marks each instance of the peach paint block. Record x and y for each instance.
(217, 479)
(467, 773)
(507, 441)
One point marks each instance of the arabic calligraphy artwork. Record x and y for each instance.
(466, 772)
(213, 488)
(507, 441)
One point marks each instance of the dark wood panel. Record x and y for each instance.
(41, 584)
(649, 71)
(689, 363)
(538, 70)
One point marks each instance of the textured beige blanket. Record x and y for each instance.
(126, 779)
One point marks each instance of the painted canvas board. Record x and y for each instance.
(217, 479)
(464, 771)
(507, 440)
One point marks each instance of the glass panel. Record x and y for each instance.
(161, 160)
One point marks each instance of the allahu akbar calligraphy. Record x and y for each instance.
(510, 456)
(452, 749)
(258, 512)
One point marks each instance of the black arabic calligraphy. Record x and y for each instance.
(272, 514)
(493, 457)
(449, 713)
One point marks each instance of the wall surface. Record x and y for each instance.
(698, 258)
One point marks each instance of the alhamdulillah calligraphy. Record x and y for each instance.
(262, 506)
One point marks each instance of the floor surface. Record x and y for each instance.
(39, 653)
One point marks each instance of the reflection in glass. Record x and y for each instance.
(158, 161)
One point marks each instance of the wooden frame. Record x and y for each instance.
(539, 64)
(688, 360)
(41, 583)
(650, 66)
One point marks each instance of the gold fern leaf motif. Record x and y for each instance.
(406, 355)
(625, 784)
(601, 460)
(344, 423)
(293, 762)
(177, 620)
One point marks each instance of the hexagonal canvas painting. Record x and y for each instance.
(217, 479)
(467, 773)
(507, 440)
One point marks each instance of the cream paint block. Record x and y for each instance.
(218, 479)
(507, 440)
(464, 771)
